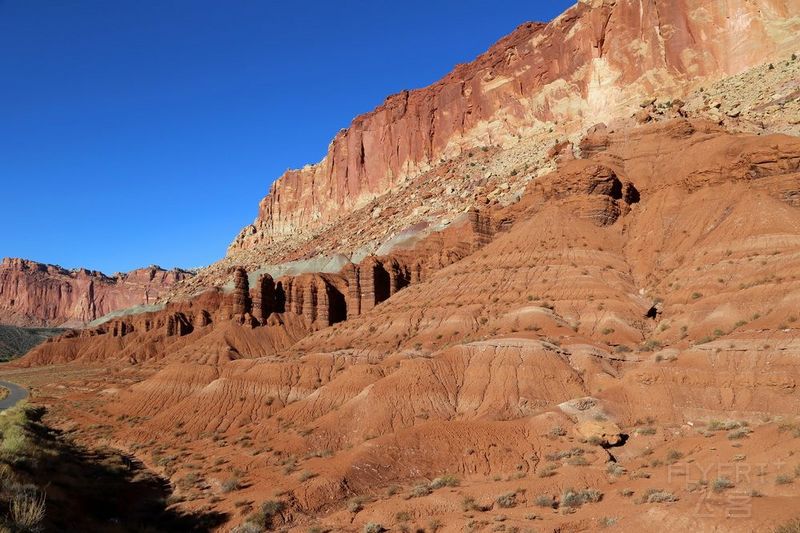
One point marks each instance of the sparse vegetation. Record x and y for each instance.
(420, 490)
(41, 491)
(507, 500)
(737, 434)
(650, 345)
(445, 481)
(267, 515)
(721, 484)
(543, 500)
(27, 510)
(673, 456)
(231, 484)
(657, 496)
(15, 341)
(548, 470)
(607, 521)
(614, 469)
(355, 504)
(306, 475)
(792, 526)
(576, 498)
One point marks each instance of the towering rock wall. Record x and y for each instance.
(35, 294)
(592, 64)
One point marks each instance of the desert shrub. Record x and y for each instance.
(248, 527)
(507, 500)
(548, 470)
(231, 484)
(615, 469)
(647, 430)
(673, 456)
(658, 496)
(372, 527)
(420, 490)
(27, 510)
(543, 500)
(272, 507)
(792, 526)
(726, 425)
(354, 505)
(721, 484)
(189, 480)
(737, 434)
(783, 479)
(565, 454)
(265, 516)
(13, 425)
(607, 521)
(468, 504)
(650, 345)
(573, 498)
(14, 441)
(556, 431)
(306, 475)
(578, 461)
(447, 480)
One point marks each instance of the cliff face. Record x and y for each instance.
(594, 63)
(35, 294)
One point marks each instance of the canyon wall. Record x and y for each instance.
(594, 63)
(35, 294)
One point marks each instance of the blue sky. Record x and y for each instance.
(142, 132)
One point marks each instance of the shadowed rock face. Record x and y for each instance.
(593, 63)
(35, 294)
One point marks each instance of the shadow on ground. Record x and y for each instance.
(102, 490)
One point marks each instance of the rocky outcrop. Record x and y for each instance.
(264, 298)
(35, 294)
(590, 190)
(238, 300)
(596, 62)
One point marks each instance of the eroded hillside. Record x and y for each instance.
(631, 310)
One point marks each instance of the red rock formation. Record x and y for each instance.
(595, 62)
(495, 363)
(589, 190)
(239, 298)
(263, 297)
(34, 294)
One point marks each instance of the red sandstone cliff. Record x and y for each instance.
(592, 64)
(34, 294)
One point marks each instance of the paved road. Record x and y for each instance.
(15, 395)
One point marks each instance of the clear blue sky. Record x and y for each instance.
(138, 132)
